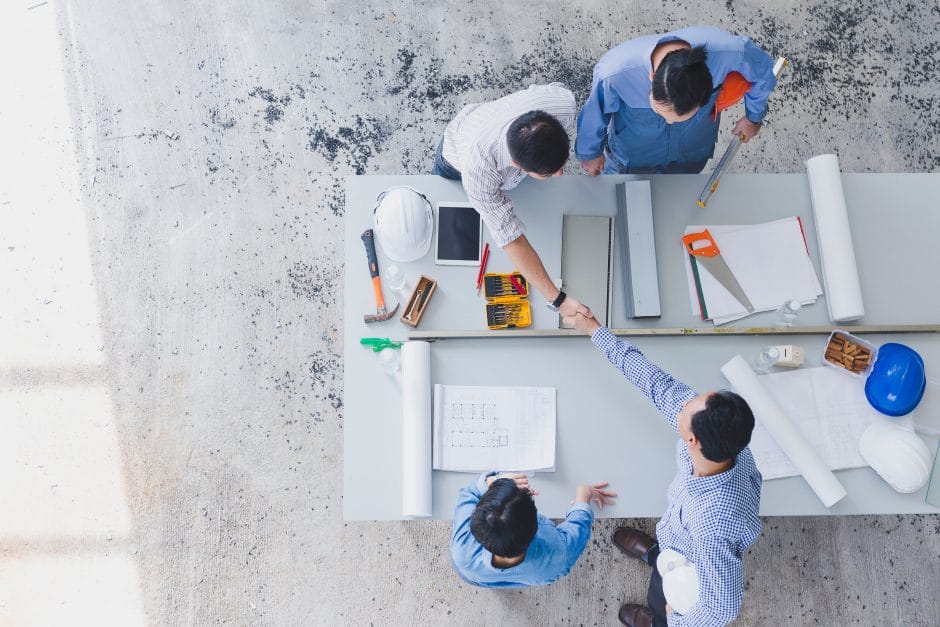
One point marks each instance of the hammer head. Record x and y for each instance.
(381, 314)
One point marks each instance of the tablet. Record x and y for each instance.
(459, 234)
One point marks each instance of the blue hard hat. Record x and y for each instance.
(897, 380)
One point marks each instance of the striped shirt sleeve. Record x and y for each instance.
(483, 185)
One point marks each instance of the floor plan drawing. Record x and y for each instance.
(478, 428)
(475, 425)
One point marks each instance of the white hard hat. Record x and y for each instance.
(680, 580)
(897, 454)
(404, 223)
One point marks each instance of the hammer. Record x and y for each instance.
(380, 314)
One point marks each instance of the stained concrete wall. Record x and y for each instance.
(213, 138)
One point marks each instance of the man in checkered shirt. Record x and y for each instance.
(712, 507)
(491, 147)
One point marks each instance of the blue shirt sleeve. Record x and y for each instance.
(467, 499)
(668, 395)
(758, 68)
(576, 531)
(594, 118)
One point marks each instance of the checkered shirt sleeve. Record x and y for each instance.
(667, 394)
(720, 569)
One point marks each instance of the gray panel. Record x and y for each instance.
(586, 261)
(637, 246)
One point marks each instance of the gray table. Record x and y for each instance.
(606, 429)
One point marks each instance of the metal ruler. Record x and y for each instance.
(679, 331)
(730, 152)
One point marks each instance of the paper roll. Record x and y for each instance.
(416, 430)
(840, 272)
(787, 436)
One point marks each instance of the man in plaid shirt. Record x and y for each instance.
(713, 502)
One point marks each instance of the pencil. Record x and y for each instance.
(483, 259)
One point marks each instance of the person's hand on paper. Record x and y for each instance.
(745, 129)
(585, 324)
(522, 481)
(588, 493)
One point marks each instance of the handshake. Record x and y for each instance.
(585, 324)
(586, 493)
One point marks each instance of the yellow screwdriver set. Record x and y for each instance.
(506, 304)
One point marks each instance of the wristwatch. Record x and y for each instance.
(555, 304)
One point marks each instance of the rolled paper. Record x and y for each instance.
(416, 430)
(836, 252)
(785, 434)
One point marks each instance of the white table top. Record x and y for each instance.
(608, 431)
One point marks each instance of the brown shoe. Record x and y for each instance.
(635, 615)
(633, 542)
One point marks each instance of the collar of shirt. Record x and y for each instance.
(665, 39)
(512, 175)
(698, 486)
(532, 555)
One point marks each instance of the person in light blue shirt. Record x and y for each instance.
(651, 108)
(501, 541)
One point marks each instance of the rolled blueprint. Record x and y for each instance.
(840, 272)
(785, 434)
(416, 430)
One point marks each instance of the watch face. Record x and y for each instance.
(551, 306)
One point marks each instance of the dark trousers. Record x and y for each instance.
(655, 599)
(442, 167)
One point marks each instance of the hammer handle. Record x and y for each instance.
(368, 238)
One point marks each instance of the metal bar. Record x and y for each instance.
(715, 178)
(730, 152)
(679, 331)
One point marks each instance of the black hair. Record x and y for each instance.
(682, 80)
(724, 427)
(538, 143)
(505, 519)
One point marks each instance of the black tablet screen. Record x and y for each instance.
(458, 234)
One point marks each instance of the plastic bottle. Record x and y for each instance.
(390, 360)
(395, 280)
(787, 313)
(766, 359)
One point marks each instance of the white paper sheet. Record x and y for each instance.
(770, 262)
(836, 252)
(827, 407)
(769, 413)
(493, 428)
(416, 430)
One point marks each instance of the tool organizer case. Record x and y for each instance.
(506, 295)
(418, 302)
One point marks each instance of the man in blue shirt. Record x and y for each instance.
(712, 508)
(501, 541)
(651, 108)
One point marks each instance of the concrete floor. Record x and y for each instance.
(194, 218)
